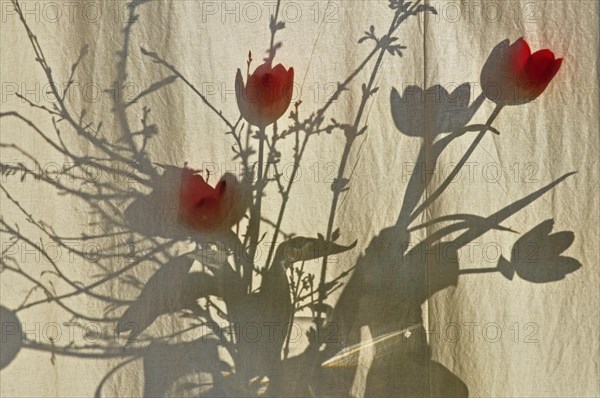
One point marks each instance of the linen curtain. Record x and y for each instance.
(487, 286)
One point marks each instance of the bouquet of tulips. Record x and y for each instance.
(249, 304)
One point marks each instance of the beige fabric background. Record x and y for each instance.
(554, 135)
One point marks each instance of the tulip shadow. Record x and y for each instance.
(428, 114)
(381, 346)
(432, 265)
(374, 344)
(537, 255)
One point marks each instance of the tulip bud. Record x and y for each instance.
(266, 95)
(204, 208)
(512, 75)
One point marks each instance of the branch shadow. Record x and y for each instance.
(373, 343)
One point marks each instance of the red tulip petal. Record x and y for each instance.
(267, 94)
(193, 188)
(517, 76)
(260, 70)
(290, 78)
(279, 70)
(540, 66)
(521, 45)
(545, 53)
(518, 54)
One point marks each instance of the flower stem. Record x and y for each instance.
(437, 193)
(425, 168)
(254, 224)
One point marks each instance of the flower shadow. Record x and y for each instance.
(427, 113)
(380, 306)
(381, 347)
(537, 255)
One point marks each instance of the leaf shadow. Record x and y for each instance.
(390, 281)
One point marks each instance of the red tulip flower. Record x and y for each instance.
(512, 75)
(204, 208)
(266, 95)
